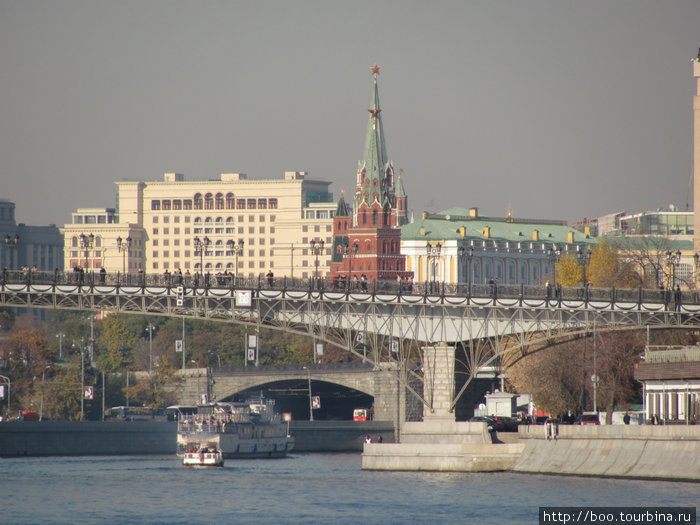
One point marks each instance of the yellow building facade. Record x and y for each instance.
(175, 224)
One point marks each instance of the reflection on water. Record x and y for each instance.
(304, 488)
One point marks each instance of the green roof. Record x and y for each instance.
(446, 225)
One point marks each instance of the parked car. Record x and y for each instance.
(588, 418)
(490, 423)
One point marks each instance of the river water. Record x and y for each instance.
(304, 488)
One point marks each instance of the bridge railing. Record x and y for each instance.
(356, 286)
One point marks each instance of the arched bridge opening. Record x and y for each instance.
(333, 401)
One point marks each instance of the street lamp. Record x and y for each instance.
(433, 251)
(199, 246)
(673, 259)
(86, 243)
(60, 336)
(350, 254)
(11, 243)
(311, 403)
(150, 329)
(82, 377)
(316, 249)
(553, 256)
(237, 248)
(124, 245)
(583, 255)
(468, 253)
(41, 404)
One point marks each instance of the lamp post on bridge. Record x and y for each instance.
(553, 256)
(237, 248)
(433, 251)
(86, 243)
(467, 253)
(200, 245)
(316, 249)
(123, 246)
(673, 259)
(583, 254)
(12, 244)
(350, 254)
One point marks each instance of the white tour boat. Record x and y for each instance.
(238, 430)
(203, 458)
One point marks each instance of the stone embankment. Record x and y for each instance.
(444, 446)
(66, 438)
(632, 451)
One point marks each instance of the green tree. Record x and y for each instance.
(158, 388)
(116, 343)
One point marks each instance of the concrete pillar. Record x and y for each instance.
(439, 373)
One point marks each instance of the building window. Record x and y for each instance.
(230, 201)
(251, 204)
(166, 231)
(187, 204)
(176, 231)
(177, 204)
(198, 202)
(166, 219)
(166, 204)
(154, 242)
(262, 204)
(219, 201)
(155, 254)
(155, 219)
(240, 204)
(208, 202)
(155, 231)
(272, 204)
(155, 205)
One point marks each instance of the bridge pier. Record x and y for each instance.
(439, 382)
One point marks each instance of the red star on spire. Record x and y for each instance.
(375, 69)
(374, 112)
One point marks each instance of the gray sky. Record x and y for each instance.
(565, 109)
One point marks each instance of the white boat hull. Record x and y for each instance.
(203, 459)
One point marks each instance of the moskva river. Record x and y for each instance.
(304, 488)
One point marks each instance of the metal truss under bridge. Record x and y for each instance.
(381, 322)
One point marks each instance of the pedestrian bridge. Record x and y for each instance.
(381, 322)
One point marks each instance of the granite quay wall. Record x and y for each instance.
(73, 438)
(338, 436)
(78, 438)
(633, 451)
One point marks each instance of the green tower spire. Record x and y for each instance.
(375, 173)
